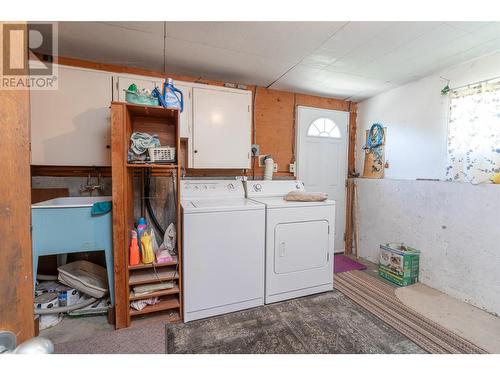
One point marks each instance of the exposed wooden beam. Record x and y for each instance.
(16, 274)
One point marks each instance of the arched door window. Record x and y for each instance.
(323, 127)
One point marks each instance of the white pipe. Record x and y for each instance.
(269, 168)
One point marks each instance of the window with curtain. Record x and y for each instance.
(474, 133)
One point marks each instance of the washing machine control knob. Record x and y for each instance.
(257, 187)
(230, 187)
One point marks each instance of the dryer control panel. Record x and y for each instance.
(272, 188)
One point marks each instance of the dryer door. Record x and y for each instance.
(300, 246)
(299, 251)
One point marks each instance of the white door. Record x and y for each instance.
(221, 128)
(322, 138)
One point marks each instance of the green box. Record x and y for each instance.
(399, 263)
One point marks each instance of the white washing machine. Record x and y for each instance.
(223, 248)
(299, 241)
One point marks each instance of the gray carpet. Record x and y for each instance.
(323, 323)
(146, 339)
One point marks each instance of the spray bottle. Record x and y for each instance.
(135, 257)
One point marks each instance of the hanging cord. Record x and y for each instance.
(174, 191)
(149, 208)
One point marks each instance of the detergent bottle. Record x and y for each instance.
(172, 96)
(134, 249)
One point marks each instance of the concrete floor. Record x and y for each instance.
(74, 329)
(467, 321)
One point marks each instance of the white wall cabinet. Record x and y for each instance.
(71, 125)
(221, 128)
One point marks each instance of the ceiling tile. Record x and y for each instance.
(347, 64)
(468, 26)
(399, 33)
(319, 59)
(426, 43)
(334, 59)
(327, 83)
(152, 27)
(222, 64)
(353, 35)
(109, 44)
(285, 41)
(489, 32)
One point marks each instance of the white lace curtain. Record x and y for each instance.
(474, 133)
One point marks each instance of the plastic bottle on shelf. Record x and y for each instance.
(135, 257)
(147, 247)
(141, 227)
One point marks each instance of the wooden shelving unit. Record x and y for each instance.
(125, 119)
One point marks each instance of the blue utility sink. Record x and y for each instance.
(65, 225)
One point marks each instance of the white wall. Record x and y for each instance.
(455, 225)
(416, 115)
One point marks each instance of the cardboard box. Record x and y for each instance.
(399, 263)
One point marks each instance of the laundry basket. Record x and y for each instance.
(87, 277)
(163, 154)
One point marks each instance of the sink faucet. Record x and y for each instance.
(90, 187)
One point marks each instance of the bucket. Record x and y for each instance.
(48, 301)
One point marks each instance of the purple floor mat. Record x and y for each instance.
(341, 263)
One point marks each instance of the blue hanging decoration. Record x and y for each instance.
(375, 137)
(374, 141)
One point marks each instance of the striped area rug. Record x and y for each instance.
(380, 299)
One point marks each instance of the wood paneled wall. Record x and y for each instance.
(16, 275)
(274, 118)
(275, 124)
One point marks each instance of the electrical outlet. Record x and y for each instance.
(291, 168)
(255, 150)
(275, 167)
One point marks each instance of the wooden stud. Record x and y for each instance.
(16, 274)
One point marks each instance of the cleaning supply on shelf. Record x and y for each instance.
(143, 97)
(171, 97)
(135, 257)
(141, 227)
(147, 247)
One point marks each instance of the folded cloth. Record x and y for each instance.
(140, 142)
(302, 196)
(101, 208)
